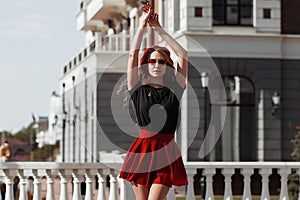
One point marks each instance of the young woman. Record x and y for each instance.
(153, 162)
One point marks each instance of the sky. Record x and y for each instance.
(37, 38)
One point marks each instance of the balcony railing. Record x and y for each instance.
(40, 179)
(117, 43)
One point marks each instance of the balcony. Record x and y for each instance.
(42, 178)
(117, 43)
(93, 11)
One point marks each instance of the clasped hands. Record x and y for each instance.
(149, 16)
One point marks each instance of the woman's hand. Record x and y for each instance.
(153, 21)
(147, 12)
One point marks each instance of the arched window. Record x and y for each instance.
(238, 141)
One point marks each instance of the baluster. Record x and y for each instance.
(76, 186)
(171, 194)
(284, 191)
(209, 183)
(190, 188)
(36, 186)
(101, 189)
(110, 44)
(63, 186)
(247, 190)
(50, 190)
(126, 191)
(124, 40)
(265, 195)
(228, 191)
(98, 41)
(23, 186)
(89, 186)
(113, 186)
(123, 190)
(9, 184)
(117, 40)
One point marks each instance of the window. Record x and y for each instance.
(267, 13)
(198, 12)
(232, 12)
(65, 69)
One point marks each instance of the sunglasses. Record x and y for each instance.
(159, 61)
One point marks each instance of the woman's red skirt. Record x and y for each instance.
(154, 158)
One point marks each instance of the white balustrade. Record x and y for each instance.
(64, 172)
(63, 185)
(50, 189)
(89, 186)
(37, 185)
(247, 187)
(103, 43)
(9, 184)
(265, 173)
(190, 188)
(123, 190)
(284, 189)
(101, 188)
(23, 186)
(228, 191)
(209, 172)
(113, 195)
(76, 186)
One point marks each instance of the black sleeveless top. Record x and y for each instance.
(157, 108)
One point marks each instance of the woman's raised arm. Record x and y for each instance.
(132, 66)
(182, 54)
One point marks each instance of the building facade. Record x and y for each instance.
(252, 45)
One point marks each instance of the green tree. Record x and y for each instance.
(293, 180)
(5, 134)
(27, 134)
(43, 154)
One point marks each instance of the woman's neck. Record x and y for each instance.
(157, 83)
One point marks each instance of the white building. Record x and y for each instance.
(253, 45)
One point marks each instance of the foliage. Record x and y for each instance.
(5, 134)
(296, 143)
(27, 134)
(44, 153)
(293, 179)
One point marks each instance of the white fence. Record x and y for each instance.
(33, 175)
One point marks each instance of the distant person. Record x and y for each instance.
(5, 152)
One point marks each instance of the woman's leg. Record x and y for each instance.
(141, 191)
(158, 192)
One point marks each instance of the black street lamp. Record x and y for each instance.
(204, 82)
(275, 102)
